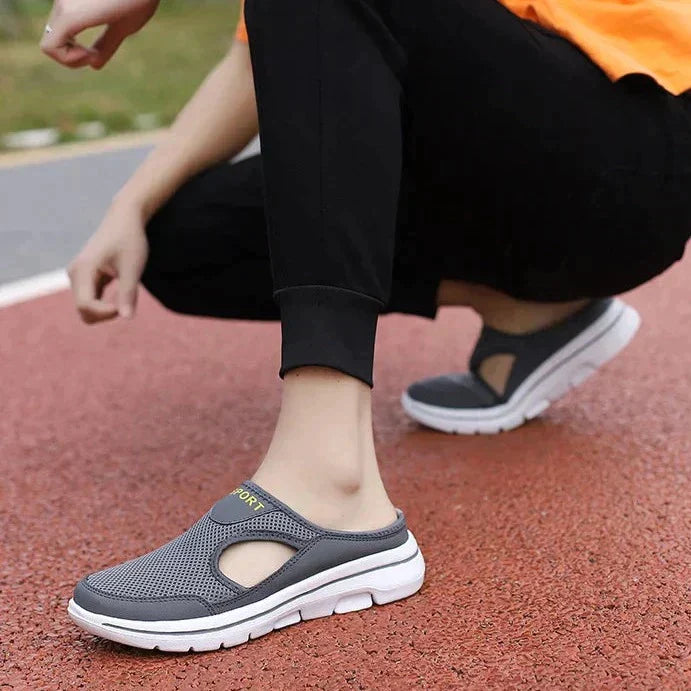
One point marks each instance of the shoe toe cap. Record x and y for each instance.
(453, 391)
(159, 609)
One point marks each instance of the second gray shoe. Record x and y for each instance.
(547, 364)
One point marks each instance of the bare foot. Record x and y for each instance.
(321, 463)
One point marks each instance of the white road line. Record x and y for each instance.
(16, 159)
(33, 287)
(55, 281)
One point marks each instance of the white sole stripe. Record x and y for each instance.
(33, 287)
(377, 579)
(268, 611)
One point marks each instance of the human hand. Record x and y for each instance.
(68, 18)
(118, 249)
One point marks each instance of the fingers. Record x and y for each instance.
(58, 40)
(101, 282)
(71, 55)
(106, 45)
(87, 287)
(129, 274)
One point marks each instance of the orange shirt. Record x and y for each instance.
(241, 33)
(652, 37)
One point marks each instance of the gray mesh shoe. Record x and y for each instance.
(547, 364)
(175, 598)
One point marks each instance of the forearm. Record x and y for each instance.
(216, 124)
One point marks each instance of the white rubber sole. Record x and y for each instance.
(566, 369)
(377, 579)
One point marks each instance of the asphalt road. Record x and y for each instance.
(48, 210)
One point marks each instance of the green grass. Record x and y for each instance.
(155, 71)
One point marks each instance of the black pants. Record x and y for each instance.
(400, 148)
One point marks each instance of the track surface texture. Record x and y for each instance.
(558, 554)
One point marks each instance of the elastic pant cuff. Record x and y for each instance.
(325, 326)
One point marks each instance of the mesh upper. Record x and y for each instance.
(183, 566)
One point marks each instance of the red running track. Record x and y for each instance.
(558, 555)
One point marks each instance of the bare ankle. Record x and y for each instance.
(523, 317)
(321, 460)
(331, 500)
(503, 312)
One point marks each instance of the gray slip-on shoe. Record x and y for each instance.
(176, 599)
(547, 364)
